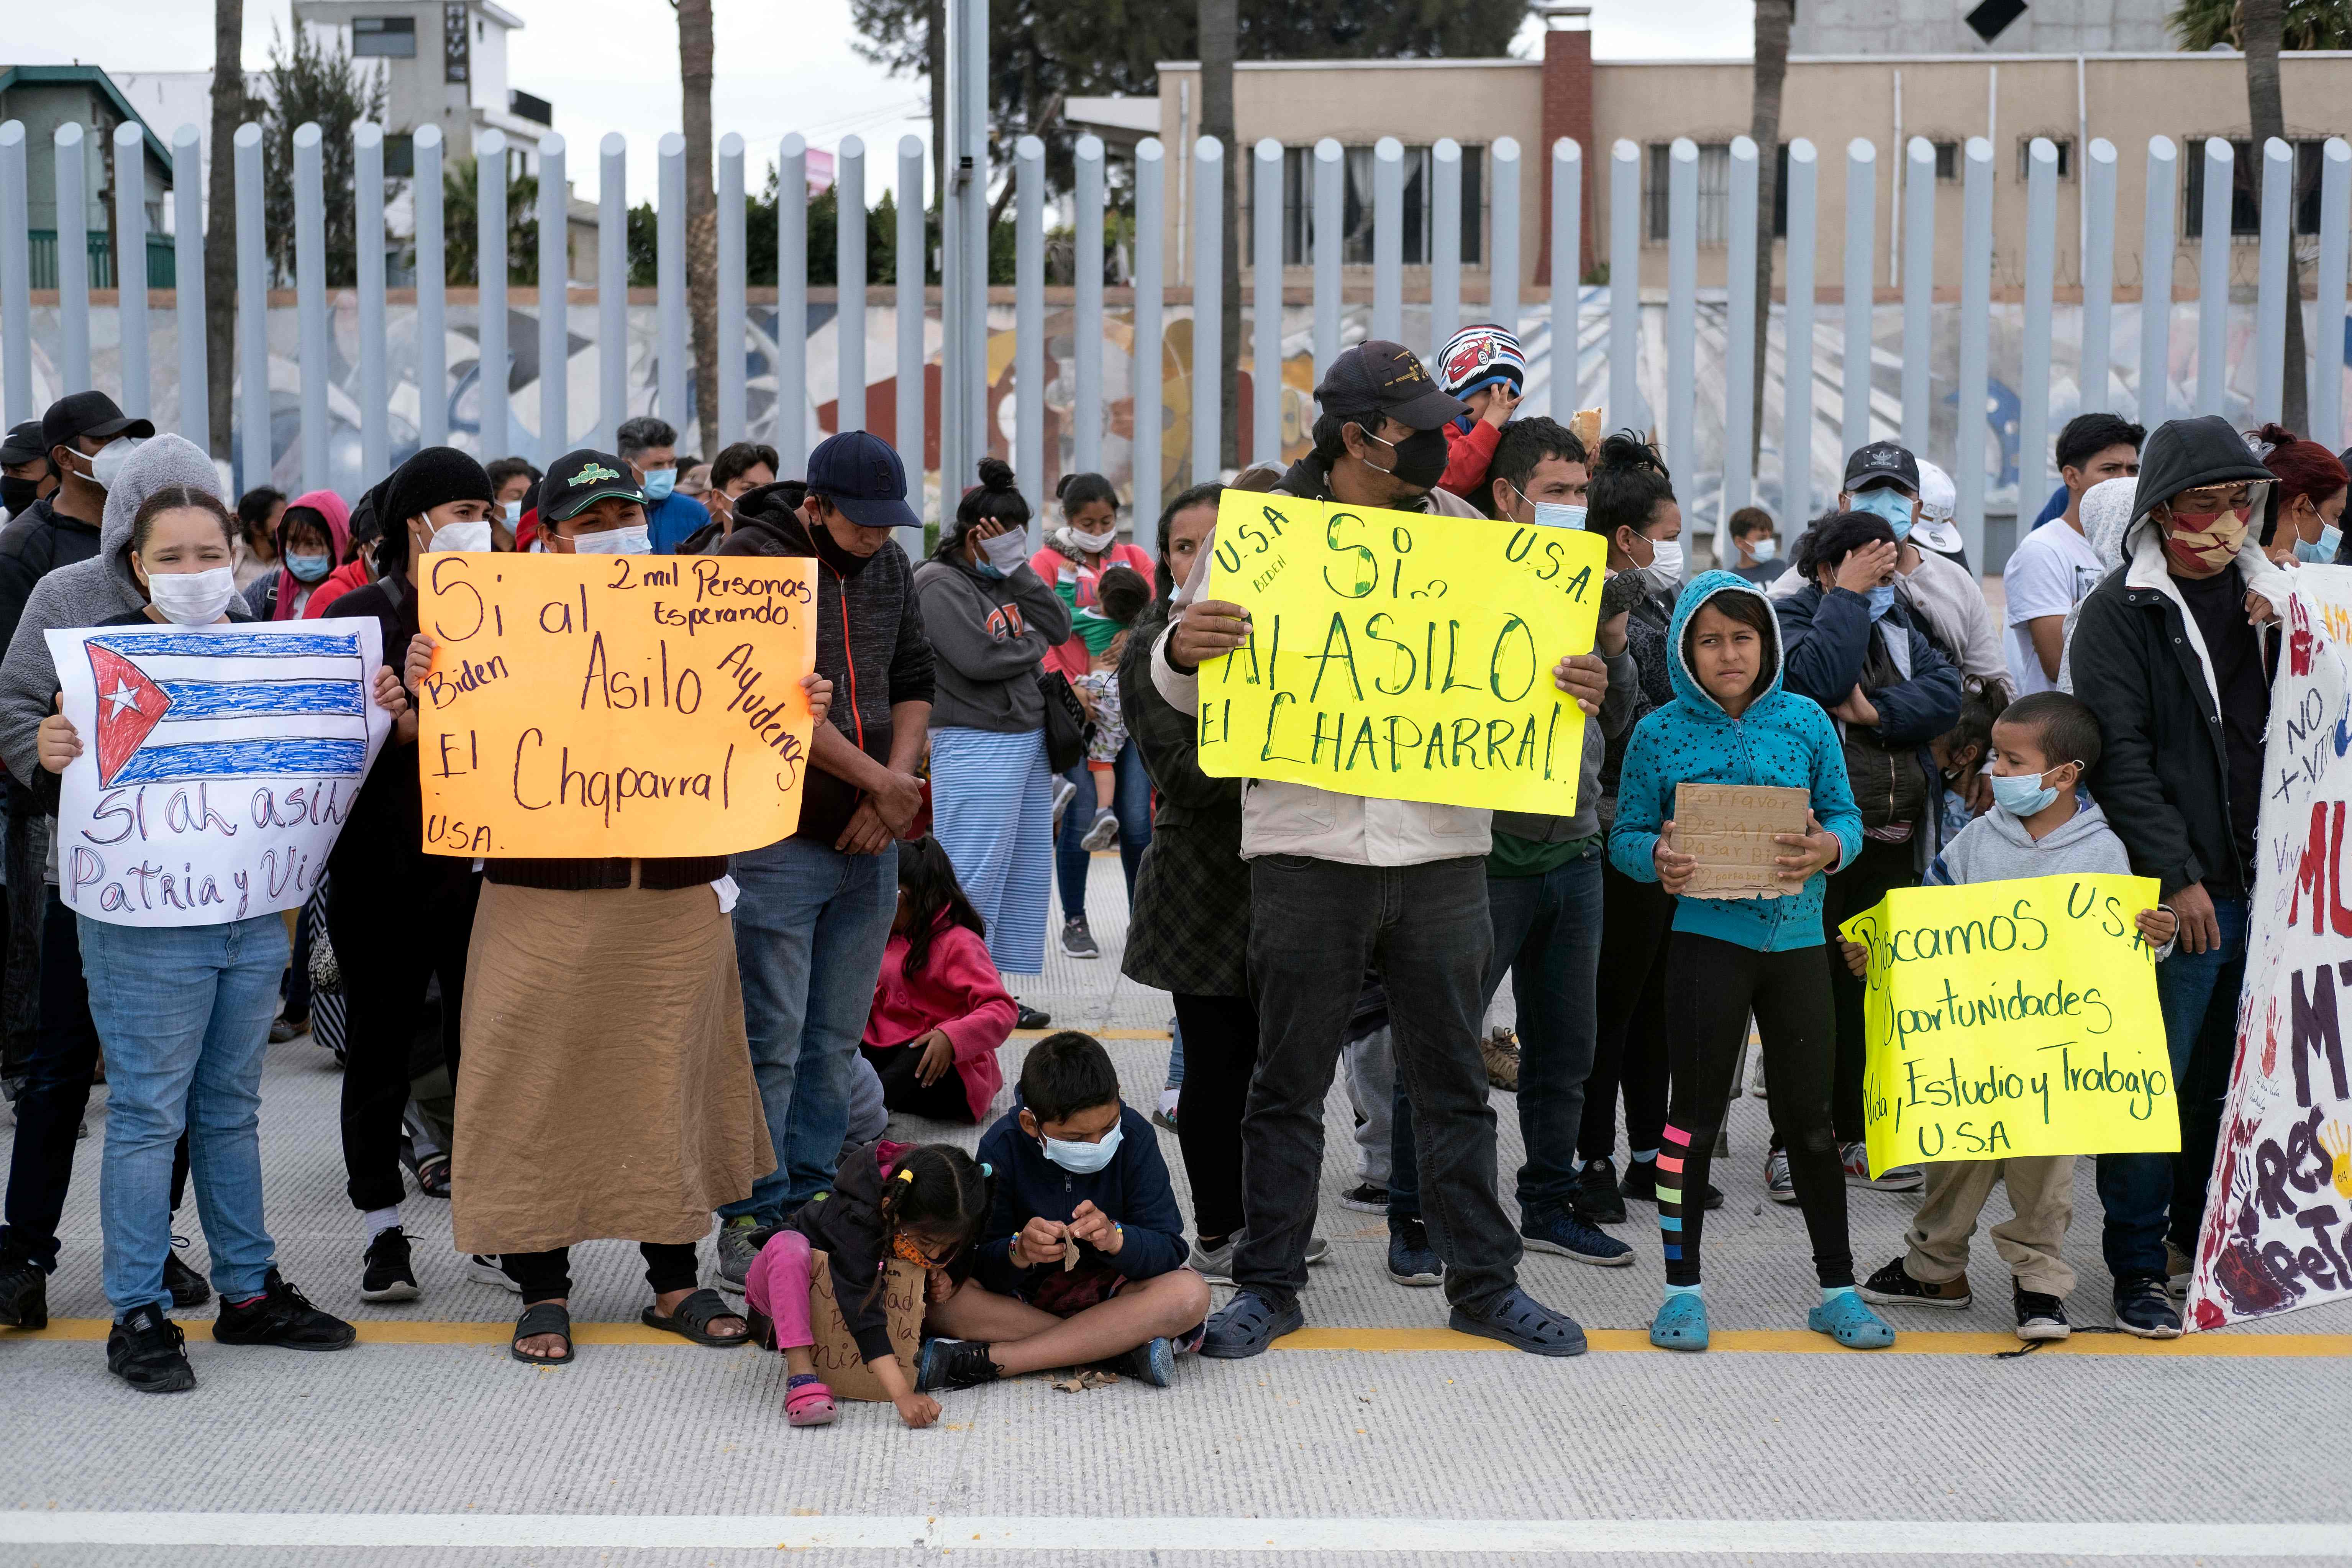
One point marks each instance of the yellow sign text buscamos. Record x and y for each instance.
(2013, 1018)
(1400, 655)
(592, 706)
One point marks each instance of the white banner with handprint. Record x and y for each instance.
(2278, 1211)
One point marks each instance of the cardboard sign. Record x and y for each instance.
(1729, 830)
(838, 1360)
(2010, 1018)
(218, 765)
(593, 705)
(2277, 1233)
(1399, 655)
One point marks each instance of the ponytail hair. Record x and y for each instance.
(993, 499)
(1629, 481)
(1074, 491)
(937, 1189)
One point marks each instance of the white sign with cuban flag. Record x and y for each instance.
(218, 765)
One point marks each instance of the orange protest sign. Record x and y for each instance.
(594, 706)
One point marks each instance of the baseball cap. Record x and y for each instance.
(861, 474)
(1380, 377)
(1881, 463)
(576, 480)
(23, 443)
(1937, 498)
(91, 414)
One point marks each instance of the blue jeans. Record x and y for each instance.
(1131, 801)
(810, 929)
(184, 1014)
(1547, 935)
(2199, 994)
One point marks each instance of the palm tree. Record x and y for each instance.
(220, 235)
(694, 60)
(1772, 21)
(2200, 24)
(2262, 26)
(1219, 30)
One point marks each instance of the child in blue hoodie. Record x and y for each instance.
(1731, 724)
(1084, 1256)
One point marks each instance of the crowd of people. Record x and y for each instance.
(570, 1050)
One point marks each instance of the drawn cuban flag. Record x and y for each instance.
(209, 705)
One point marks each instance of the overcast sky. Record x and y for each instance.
(612, 65)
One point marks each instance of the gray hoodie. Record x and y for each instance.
(86, 594)
(1996, 847)
(989, 638)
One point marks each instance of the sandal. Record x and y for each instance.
(809, 1404)
(543, 1318)
(693, 1318)
(432, 1173)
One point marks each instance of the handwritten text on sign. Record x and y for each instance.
(614, 705)
(1400, 655)
(218, 765)
(2012, 1018)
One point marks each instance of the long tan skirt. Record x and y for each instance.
(605, 1089)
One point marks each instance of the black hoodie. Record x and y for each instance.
(869, 639)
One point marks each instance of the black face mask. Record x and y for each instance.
(1420, 457)
(15, 495)
(846, 564)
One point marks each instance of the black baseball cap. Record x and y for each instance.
(578, 480)
(1881, 463)
(1380, 377)
(91, 414)
(861, 474)
(23, 443)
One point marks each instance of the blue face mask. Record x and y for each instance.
(309, 568)
(1889, 503)
(659, 482)
(1084, 1159)
(2323, 551)
(1882, 599)
(2020, 795)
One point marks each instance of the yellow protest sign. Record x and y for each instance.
(588, 706)
(2012, 1018)
(1400, 655)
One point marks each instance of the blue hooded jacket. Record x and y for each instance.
(1782, 739)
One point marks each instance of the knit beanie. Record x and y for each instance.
(1479, 356)
(434, 476)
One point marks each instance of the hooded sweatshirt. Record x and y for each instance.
(1781, 739)
(278, 596)
(989, 637)
(1132, 1190)
(1996, 847)
(87, 593)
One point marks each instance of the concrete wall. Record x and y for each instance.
(1930, 27)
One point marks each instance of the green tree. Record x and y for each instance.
(310, 84)
(2305, 24)
(1773, 18)
(229, 110)
(461, 225)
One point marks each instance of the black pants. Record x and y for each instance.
(57, 1091)
(544, 1276)
(1878, 868)
(943, 1099)
(1629, 1047)
(1219, 1055)
(392, 937)
(26, 847)
(1712, 987)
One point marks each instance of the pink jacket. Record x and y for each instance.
(956, 990)
(1071, 657)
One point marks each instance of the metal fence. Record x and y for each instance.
(1806, 354)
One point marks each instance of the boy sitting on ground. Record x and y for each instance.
(1083, 1259)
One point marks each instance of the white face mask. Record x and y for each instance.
(1558, 514)
(1095, 544)
(1765, 548)
(1006, 551)
(461, 536)
(192, 598)
(106, 463)
(512, 510)
(630, 540)
(1666, 561)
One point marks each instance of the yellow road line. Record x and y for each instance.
(1736, 1341)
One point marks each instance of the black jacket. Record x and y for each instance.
(845, 1225)
(37, 541)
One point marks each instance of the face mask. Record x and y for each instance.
(659, 482)
(2203, 542)
(1882, 599)
(1095, 544)
(1083, 1158)
(512, 510)
(106, 463)
(2321, 552)
(15, 495)
(1889, 503)
(2020, 795)
(192, 598)
(1002, 555)
(1666, 561)
(309, 568)
(1764, 549)
(630, 540)
(1420, 457)
(461, 536)
(1557, 514)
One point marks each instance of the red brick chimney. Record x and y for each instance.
(1566, 111)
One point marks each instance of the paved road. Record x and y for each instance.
(1377, 1438)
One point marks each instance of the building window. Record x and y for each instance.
(2246, 187)
(384, 37)
(1714, 194)
(1357, 206)
(2065, 157)
(528, 106)
(400, 157)
(1947, 160)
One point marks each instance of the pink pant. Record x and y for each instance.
(778, 1287)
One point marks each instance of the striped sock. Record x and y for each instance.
(1670, 1206)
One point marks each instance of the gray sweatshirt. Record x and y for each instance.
(1996, 847)
(989, 637)
(86, 594)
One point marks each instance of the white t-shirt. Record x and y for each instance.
(2053, 571)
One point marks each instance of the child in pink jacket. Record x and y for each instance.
(940, 1011)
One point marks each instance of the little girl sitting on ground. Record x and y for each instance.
(940, 1012)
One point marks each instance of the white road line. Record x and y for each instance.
(1877, 1538)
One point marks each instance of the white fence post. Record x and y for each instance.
(1330, 220)
(1566, 238)
(849, 277)
(1150, 208)
(2156, 283)
(1387, 238)
(1444, 243)
(555, 302)
(130, 266)
(367, 231)
(491, 373)
(16, 281)
(2270, 294)
(2213, 280)
(1265, 304)
(1976, 301)
(2033, 380)
(253, 310)
(669, 279)
(1681, 302)
(1208, 305)
(73, 257)
(1029, 331)
(1797, 344)
(188, 289)
(1740, 347)
(611, 287)
(791, 310)
(1861, 232)
(2335, 227)
(2096, 376)
(729, 315)
(1503, 229)
(432, 295)
(311, 297)
(911, 379)
(1918, 288)
(1086, 334)
(1624, 285)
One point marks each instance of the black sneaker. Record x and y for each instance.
(1598, 1199)
(1893, 1286)
(2039, 1317)
(387, 1275)
(1028, 1017)
(2143, 1309)
(281, 1316)
(1641, 1184)
(1077, 939)
(953, 1363)
(147, 1351)
(24, 1291)
(1366, 1197)
(1412, 1260)
(188, 1288)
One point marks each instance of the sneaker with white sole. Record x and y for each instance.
(1412, 1260)
(1077, 941)
(1366, 1197)
(386, 1272)
(1216, 1264)
(1558, 1230)
(1855, 1158)
(2039, 1317)
(484, 1268)
(1778, 1185)
(1101, 833)
(1892, 1286)
(1064, 792)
